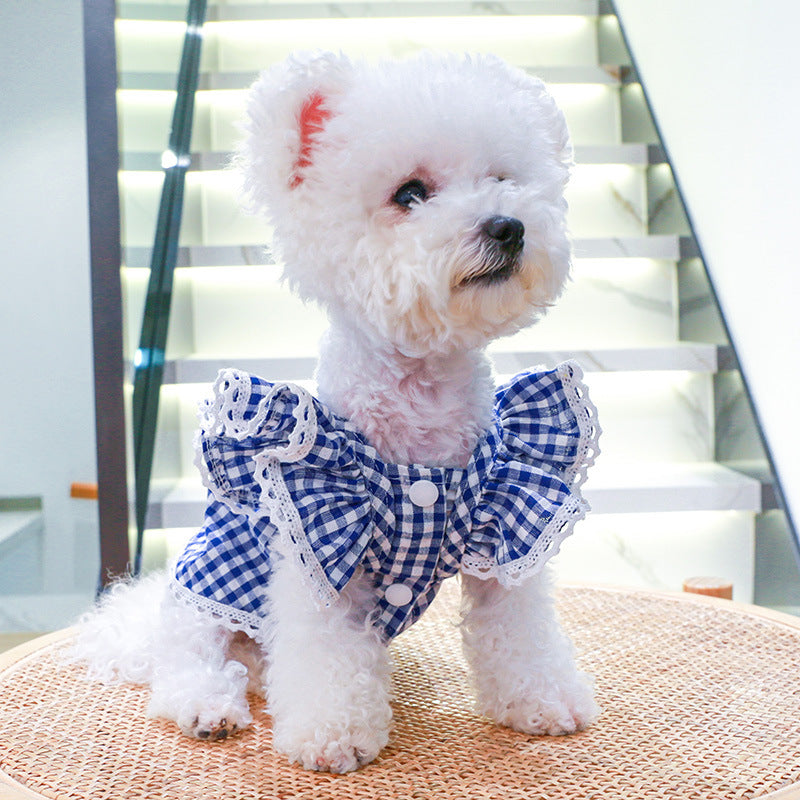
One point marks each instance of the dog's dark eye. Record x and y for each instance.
(412, 192)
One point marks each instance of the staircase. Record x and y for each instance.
(638, 316)
(21, 543)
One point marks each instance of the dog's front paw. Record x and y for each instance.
(217, 720)
(562, 708)
(214, 728)
(205, 703)
(342, 752)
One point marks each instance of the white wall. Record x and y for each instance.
(723, 77)
(46, 393)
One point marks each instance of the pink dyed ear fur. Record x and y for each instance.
(288, 112)
(311, 121)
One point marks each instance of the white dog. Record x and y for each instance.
(421, 204)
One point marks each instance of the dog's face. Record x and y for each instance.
(420, 200)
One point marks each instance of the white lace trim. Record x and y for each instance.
(284, 516)
(586, 413)
(224, 416)
(547, 545)
(573, 509)
(230, 618)
(223, 413)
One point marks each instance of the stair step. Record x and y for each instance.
(562, 45)
(159, 10)
(628, 154)
(656, 487)
(592, 111)
(660, 551)
(606, 200)
(687, 356)
(244, 310)
(761, 471)
(622, 489)
(40, 612)
(647, 416)
(17, 524)
(691, 357)
(21, 534)
(665, 246)
(228, 81)
(249, 41)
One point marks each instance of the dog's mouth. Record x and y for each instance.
(496, 270)
(501, 243)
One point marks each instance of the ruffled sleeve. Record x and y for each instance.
(272, 451)
(535, 462)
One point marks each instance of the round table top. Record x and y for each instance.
(700, 699)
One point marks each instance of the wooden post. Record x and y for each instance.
(711, 586)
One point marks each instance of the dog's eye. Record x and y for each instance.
(412, 192)
(500, 178)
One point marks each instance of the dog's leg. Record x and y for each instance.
(523, 663)
(195, 682)
(328, 679)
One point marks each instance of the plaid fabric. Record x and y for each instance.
(501, 516)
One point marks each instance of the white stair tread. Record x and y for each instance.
(433, 8)
(639, 487)
(636, 154)
(158, 10)
(18, 523)
(631, 154)
(647, 487)
(42, 612)
(689, 356)
(221, 80)
(666, 246)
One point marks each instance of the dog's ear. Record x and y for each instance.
(310, 123)
(287, 110)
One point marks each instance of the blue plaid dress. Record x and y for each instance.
(278, 463)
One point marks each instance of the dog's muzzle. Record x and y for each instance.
(502, 241)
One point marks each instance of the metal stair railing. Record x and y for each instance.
(149, 359)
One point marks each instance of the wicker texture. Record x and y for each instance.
(701, 699)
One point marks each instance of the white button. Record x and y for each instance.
(423, 493)
(398, 594)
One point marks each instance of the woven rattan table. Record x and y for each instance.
(701, 699)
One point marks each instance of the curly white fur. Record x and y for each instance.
(414, 291)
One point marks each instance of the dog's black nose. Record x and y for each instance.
(506, 231)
